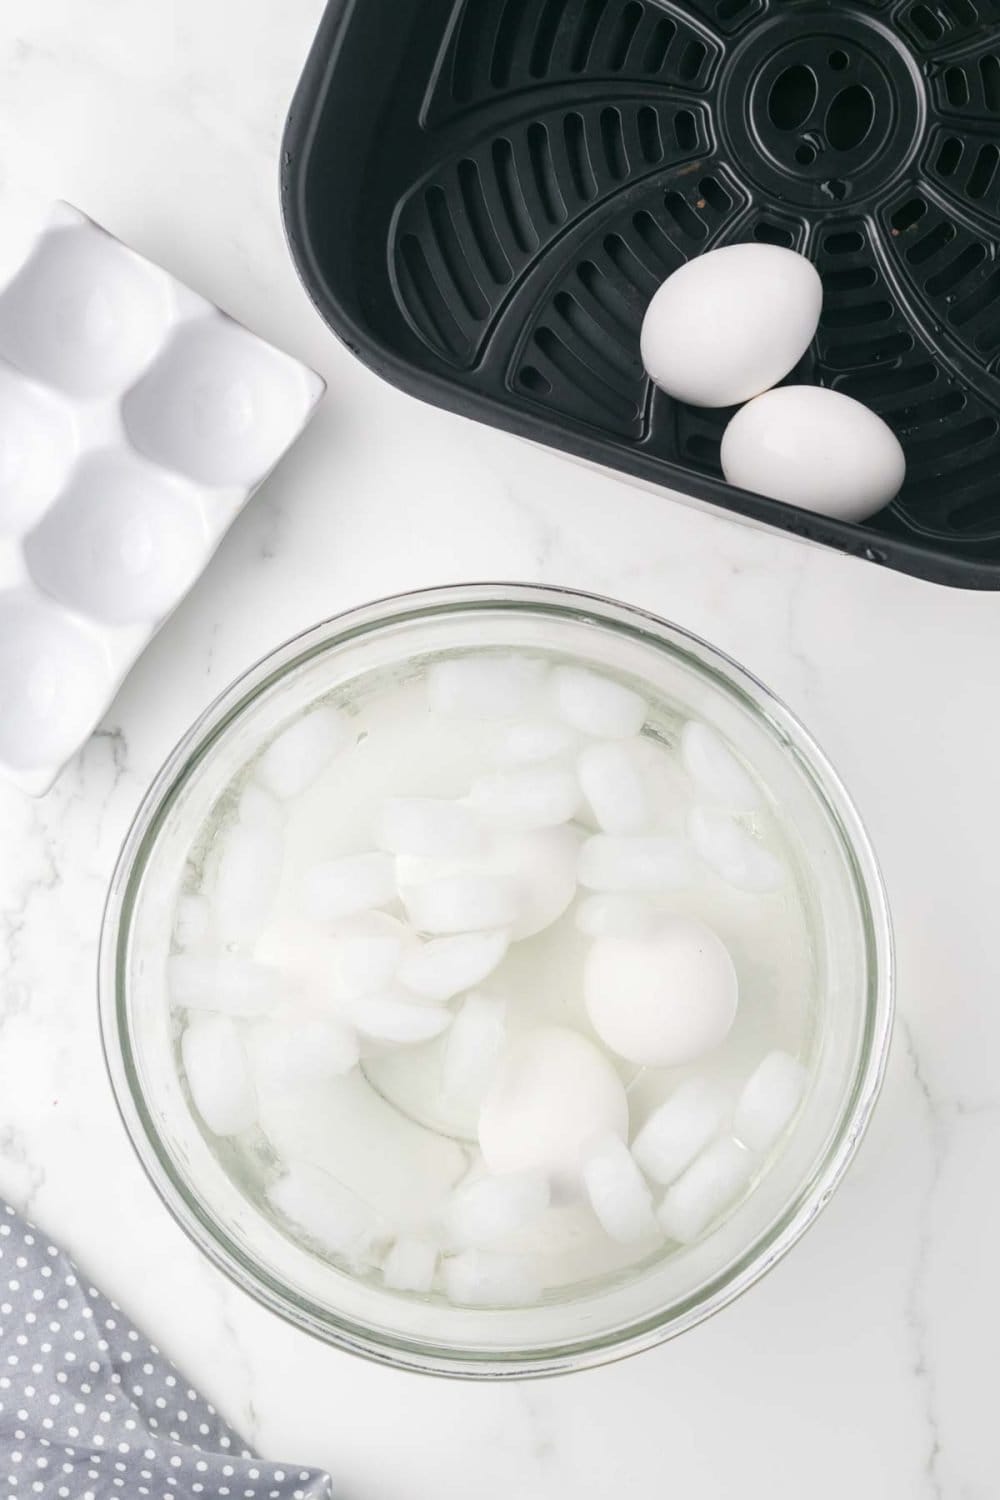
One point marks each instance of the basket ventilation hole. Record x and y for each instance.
(956, 270)
(509, 188)
(989, 72)
(650, 138)
(927, 23)
(983, 172)
(505, 46)
(658, 45)
(956, 87)
(853, 279)
(613, 140)
(929, 244)
(773, 234)
(847, 242)
(685, 218)
(545, 40)
(850, 118)
(686, 130)
(714, 195)
(692, 57)
(792, 97)
(589, 20)
(534, 381)
(628, 25)
(909, 214)
(964, 12)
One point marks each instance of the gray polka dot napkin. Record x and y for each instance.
(90, 1410)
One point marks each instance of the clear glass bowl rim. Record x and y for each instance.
(198, 743)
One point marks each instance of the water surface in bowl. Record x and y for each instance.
(359, 1161)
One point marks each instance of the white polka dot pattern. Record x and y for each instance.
(90, 1410)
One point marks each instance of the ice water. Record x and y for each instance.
(447, 1010)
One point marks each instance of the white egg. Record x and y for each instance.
(814, 448)
(661, 999)
(731, 323)
(554, 1092)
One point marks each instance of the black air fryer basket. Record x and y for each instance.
(483, 195)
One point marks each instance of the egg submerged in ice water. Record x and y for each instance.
(663, 999)
(554, 1090)
(731, 323)
(814, 448)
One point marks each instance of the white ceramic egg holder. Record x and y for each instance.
(136, 419)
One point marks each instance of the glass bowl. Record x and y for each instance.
(839, 884)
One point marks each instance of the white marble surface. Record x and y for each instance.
(863, 1365)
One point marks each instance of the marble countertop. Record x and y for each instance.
(862, 1366)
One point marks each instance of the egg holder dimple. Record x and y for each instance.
(136, 419)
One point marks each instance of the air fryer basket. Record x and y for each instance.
(482, 196)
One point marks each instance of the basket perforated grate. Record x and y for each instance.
(527, 172)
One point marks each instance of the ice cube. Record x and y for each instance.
(444, 967)
(410, 1265)
(733, 852)
(715, 770)
(227, 983)
(246, 881)
(553, 1091)
(258, 809)
(294, 760)
(342, 887)
(613, 785)
(192, 922)
(769, 1099)
(396, 1016)
(364, 953)
(679, 1128)
(299, 1048)
(462, 903)
(616, 914)
(614, 862)
(532, 741)
(410, 869)
(488, 1210)
(191, 978)
(327, 1212)
(218, 1074)
(665, 784)
(712, 1182)
(473, 1049)
(412, 1078)
(617, 1191)
(596, 705)
(488, 1278)
(428, 828)
(527, 797)
(543, 865)
(345, 1127)
(485, 687)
